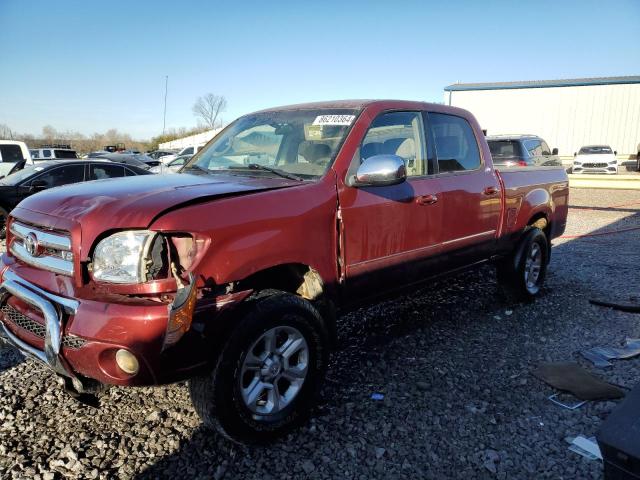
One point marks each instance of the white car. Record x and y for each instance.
(191, 151)
(595, 159)
(171, 167)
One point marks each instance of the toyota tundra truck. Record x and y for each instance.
(232, 273)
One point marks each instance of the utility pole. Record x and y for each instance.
(164, 120)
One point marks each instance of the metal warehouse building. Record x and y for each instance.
(566, 113)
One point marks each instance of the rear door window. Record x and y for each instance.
(456, 145)
(99, 172)
(11, 153)
(46, 153)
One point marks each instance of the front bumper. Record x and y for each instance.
(609, 169)
(78, 338)
(13, 285)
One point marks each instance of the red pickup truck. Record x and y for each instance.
(231, 273)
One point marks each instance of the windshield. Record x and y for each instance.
(303, 143)
(20, 175)
(504, 148)
(594, 150)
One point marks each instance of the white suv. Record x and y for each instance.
(52, 153)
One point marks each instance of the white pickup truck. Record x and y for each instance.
(13, 156)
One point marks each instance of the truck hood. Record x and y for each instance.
(136, 202)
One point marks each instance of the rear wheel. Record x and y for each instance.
(267, 377)
(522, 274)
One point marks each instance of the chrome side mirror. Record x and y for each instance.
(380, 170)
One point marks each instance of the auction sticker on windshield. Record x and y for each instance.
(334, 120)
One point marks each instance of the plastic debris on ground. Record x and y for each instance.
(587, 447)
(600, 356)
(377, 396)
(559, 399)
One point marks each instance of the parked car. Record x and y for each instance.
(138, 160)
(521, 151)
(231, 273)
(172, 167)
(63, 153)
(97, 154)
(14, 155)
(51, 173)
(157, 154)
(595, 159)
(191, 150)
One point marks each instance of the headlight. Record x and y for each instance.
(613, 162)
(119, 257)
(577, 163)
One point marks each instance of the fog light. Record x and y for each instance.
(127, 362)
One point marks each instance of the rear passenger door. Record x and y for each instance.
(470, 191)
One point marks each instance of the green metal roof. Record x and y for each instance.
(574, 82)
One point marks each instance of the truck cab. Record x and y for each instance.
(13, 156)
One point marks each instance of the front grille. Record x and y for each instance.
(37, 329)
(41, 248)
(594, 165)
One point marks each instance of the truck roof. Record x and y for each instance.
(357, 104)
(515, 136)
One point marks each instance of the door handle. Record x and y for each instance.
(490, 190)
(426, 199)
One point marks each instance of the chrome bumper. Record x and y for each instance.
(50, 305)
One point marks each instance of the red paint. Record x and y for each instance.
(351, 236)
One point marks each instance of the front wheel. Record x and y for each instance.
(522, 274)
(267, 377)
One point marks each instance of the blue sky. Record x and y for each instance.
(90, 66)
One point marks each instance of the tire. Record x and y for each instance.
(224, 398)
(3, 223)
(522, 274)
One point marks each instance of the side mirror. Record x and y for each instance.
(380, 170)
(615, 152)
(38, 185)
(575, 154)
(554, 151)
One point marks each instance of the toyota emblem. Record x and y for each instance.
(31, 244)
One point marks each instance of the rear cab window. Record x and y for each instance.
(65, 154)
(11, 153)
(455, 143)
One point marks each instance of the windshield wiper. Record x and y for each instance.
(280, 173)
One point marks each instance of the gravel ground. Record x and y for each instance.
(452, 360)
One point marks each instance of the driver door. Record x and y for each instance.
(391, 234)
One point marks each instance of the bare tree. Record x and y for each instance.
(209, 107)
(5, 132)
